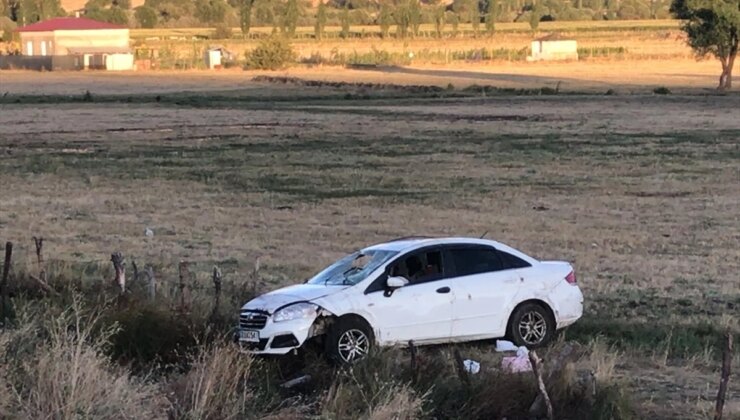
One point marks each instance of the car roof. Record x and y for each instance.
(414, 242)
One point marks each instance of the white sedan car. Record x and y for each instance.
(425, 290)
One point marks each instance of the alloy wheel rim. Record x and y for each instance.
(353, 345)
(532, 328)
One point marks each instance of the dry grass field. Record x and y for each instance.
(640, 191)
(597, 40)
(624, 76)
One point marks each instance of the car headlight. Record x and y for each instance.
(295, 311)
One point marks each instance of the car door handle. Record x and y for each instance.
(443, 290)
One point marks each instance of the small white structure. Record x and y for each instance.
(552, 47)
(213, 58)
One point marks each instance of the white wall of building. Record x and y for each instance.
(554, 50)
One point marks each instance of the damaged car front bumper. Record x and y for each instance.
(258, 333)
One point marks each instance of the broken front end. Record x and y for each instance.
(282, 331)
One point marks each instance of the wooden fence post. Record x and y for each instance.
(152, 282)
(120, 279)
(217, 277)
(537, 369)
(725, 377)
(183, 272)
(39, 242)
(412, 351)
(135, 280)
(4, 284)
(461, 372)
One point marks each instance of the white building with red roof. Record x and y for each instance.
(94, 44)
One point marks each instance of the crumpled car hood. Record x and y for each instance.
(276, 299)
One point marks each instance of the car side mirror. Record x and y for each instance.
(396, 282)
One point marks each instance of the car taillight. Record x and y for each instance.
(571, 277)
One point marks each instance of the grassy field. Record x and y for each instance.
(272, 181)
(597, 40)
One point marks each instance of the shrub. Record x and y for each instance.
(215, 387)
(272, 53)
(662, 90)
(223, 32)
(58, 369)
(221, 384)
(146, 16)
(374, 389)
(6, 29)
(149, 335)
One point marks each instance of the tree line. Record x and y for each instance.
(294, 13)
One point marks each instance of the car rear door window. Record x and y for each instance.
(512, 261)
(475, 260)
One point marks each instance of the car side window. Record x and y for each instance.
(475, 260)
(419, 267)
(512, 261)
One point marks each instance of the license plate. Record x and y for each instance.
(249, 335)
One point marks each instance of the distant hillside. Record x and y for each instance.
(72, 5)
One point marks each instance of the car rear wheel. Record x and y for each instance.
(349, 340)
(531, 325)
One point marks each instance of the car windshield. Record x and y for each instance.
(352, 269)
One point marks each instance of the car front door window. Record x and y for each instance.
(421, 310)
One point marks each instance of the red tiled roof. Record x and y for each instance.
(67, 24)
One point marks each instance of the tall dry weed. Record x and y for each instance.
(215, 387)
(60, 371)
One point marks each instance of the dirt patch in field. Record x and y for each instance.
(623, 77)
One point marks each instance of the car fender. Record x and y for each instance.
(530, 295)
(346, 303)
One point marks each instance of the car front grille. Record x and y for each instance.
(252, 320)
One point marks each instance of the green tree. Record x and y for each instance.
(118, 15)
(146, 16)
(439, 20)
(403, 20)
(210, 11)
(290, 17)
(112, 11)
(535, 16)
(414, 11)
(712, 28)
(612, 7)
(385, 19)
(475, 16)
(320, 21)
(344, 21)
(491, 16)
(455, 22)
(245, 16)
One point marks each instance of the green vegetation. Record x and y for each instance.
(114, 11)
(245, 16)
(271, 54)
(320, 21)
(289, 14)
(344, 21)
(713, 28)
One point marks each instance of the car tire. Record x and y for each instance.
(348, 340)
(531, 325)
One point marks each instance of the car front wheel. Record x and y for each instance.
(531, 325)
(349, 340)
